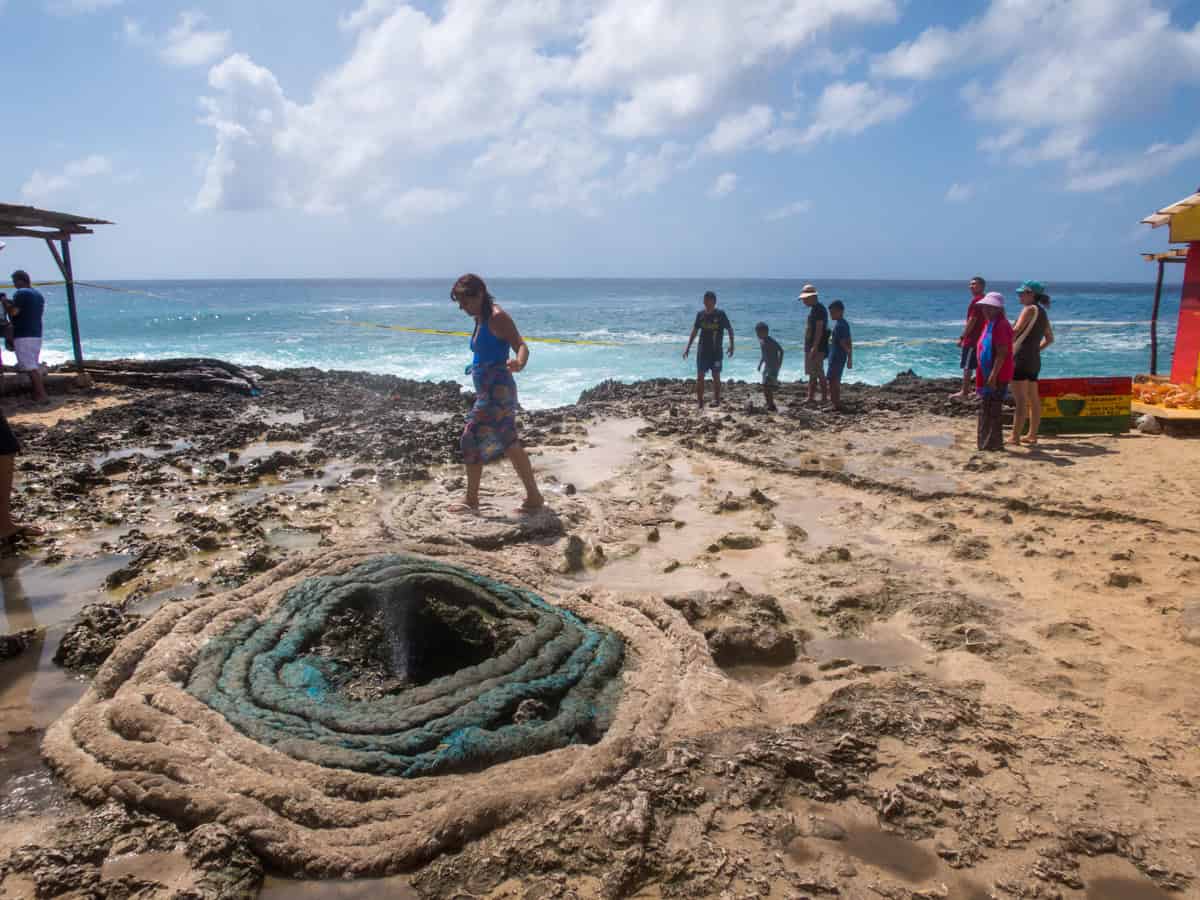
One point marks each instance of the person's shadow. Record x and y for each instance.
(27, 641)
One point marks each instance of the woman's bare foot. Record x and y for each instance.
(1015, 441)
(532, 504)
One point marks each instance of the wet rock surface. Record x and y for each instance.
(84, 851)
(94, 635)
(901, 702)
(741, 628)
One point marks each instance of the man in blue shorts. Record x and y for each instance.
(711, 323)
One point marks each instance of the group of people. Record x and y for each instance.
(828, 352)
(999, 356)
(996, 354)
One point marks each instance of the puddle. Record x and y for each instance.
(893, 854)
(293, 538)
(263, 449)
(807, 513)
(35, 594)
(280, 418)
(151, 603)
(611, 444)
(883, 647)
(360, 889)
(928, 482)
(940, 441)
(33, 690)
(26, 786)
(170, 868)
(1125, 889)
(153, 451)
(270, 486)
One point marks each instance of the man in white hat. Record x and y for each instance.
(816, 343)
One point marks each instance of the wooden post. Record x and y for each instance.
(69, 277)
(1154, 320)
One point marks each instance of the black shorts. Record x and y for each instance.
(1022, 373)
(9, 445)
(967, 359)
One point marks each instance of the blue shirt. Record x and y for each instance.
(841, 332)
(488, 348)
(28, 322)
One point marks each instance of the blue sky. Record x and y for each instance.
(774, 138)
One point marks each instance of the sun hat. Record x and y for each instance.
(807, 291)
(1036, 286)
(992, 299)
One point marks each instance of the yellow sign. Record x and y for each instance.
(1185, 226)
(1074, 405)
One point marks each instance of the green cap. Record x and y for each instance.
(1036, 286)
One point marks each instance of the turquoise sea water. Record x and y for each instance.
(1101, 329)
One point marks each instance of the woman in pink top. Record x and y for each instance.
(994, 350)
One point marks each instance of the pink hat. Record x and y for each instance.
(992, 299)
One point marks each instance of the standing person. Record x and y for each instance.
(25, 309)
(769, 363)
(1031, 335)
(10, 531)
(816, 343)
(711, 323)
(970, 337)
(491, 429)
(841, 352)
(995, 371)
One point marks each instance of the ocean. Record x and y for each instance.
(1100, 329)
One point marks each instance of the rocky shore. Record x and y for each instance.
(860, 659)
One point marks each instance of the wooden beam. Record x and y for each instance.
(72, 315)
(57, 258)
(31, 233)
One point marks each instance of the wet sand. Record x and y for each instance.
(991, 688)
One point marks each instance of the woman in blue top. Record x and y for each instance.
(491, 429)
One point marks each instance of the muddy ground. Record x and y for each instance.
(945, 673)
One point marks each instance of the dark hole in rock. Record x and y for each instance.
(382, 642)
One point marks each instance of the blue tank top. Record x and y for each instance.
(488, 348)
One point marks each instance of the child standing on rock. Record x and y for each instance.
(769, 363)
(841, 352)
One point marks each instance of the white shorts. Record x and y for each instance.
(28, 350)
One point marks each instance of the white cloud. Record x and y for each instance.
(41, 184)
(736, 132)
(725, 185)
(832, 62)
(670, 62)
(78, 7)
(188, 43)
(1067, 70)
(1155, 161)
(558, 98)
(421, 203)
(789, 211)
(959, 193)
(369, 13)
(844, 108)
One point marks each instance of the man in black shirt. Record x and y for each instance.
(711, 323)
(816, 343)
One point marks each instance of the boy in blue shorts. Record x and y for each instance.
(841, 352)
(711, 323)
(769, 363)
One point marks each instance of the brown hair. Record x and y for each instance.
(471, 285)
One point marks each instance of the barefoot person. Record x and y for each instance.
(25, 309)
(1031, 335)
(711, 323)
(970, 337)
(10, 532)
(841, 352)
(994, 351)
(491, 429)
(816, 343)
(770, 361)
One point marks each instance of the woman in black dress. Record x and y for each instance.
(1031, 335)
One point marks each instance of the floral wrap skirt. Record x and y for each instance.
(492, 422)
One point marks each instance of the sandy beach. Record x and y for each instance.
(865, 660)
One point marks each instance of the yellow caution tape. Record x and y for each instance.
(467, 334)
(91, 284)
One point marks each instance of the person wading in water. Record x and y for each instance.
(491, 428)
